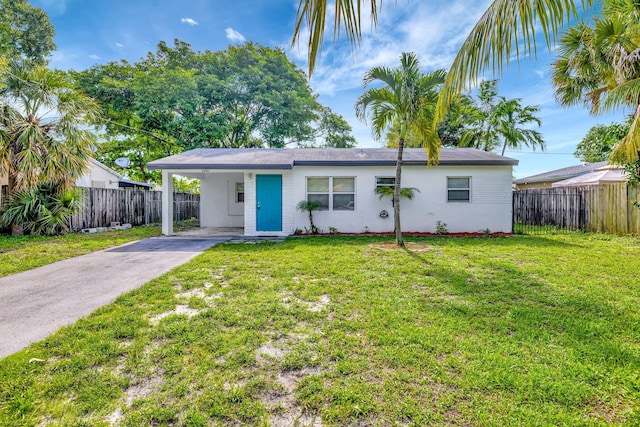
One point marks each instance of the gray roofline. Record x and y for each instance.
(196, 166)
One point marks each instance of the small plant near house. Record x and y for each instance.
(310, 206)
(441, 227)
(486, 232)
(387, 192)
(333, 230)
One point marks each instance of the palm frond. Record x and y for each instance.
(497, 35)
(347, 14)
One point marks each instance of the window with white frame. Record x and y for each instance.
(458, 189)
(239, 192)
(333, 193)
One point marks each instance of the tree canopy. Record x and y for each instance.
(599, 65)
(597, 144)
(177, 99)
(25, 31)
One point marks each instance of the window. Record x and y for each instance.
(385, 181)
(333, 193)
(458, 189)
(239, 192)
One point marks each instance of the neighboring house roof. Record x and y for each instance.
(105, 167)
(122, 181)
(287, 158)
(602, 175)
(125, 182)
(561, 174)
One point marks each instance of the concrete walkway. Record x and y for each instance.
(35, 303)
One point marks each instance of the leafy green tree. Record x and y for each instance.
(505, 27)
(44, 137)
(599, 65)
(25, 31)
(597, 144)
(177, 99)
(331, 131)
(406, 99)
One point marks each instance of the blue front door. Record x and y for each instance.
(269, 202)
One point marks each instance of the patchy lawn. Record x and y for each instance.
(26, 252)
(538, 330)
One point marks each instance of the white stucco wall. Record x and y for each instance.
(218, 205)
(489, 207)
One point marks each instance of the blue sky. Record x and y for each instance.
(92, 32)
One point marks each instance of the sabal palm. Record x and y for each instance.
(43, 132)
(599, 65)
(406, 100)
(506, 27)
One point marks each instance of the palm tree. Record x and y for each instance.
(310, 206)
(495, 120)
(513, 116)
(406, 99)
(506, 26)
(43, 133)
(599, 65)
(481, 130)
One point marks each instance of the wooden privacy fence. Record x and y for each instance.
(103, 206)
(599, 208)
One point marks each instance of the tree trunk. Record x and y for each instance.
(396, 196)
(16, 229)
(504, 147)
(313, 229)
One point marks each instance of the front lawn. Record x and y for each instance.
(26, 252)
(339, 331)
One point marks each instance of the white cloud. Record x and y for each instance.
(234, 35)
(189, 21)
(119, 44)
(96, 57)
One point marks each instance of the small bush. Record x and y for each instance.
(45, 210)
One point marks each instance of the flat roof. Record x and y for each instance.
(287, 158)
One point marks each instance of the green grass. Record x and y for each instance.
(26, 252)
(536, 331)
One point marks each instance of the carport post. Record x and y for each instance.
(167, 203)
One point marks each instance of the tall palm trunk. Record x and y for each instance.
(396, 195)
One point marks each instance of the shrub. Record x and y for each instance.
(45, 210)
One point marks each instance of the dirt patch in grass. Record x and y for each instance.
(180, 309)
(413, 247)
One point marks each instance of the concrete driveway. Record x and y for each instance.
(35, 303)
